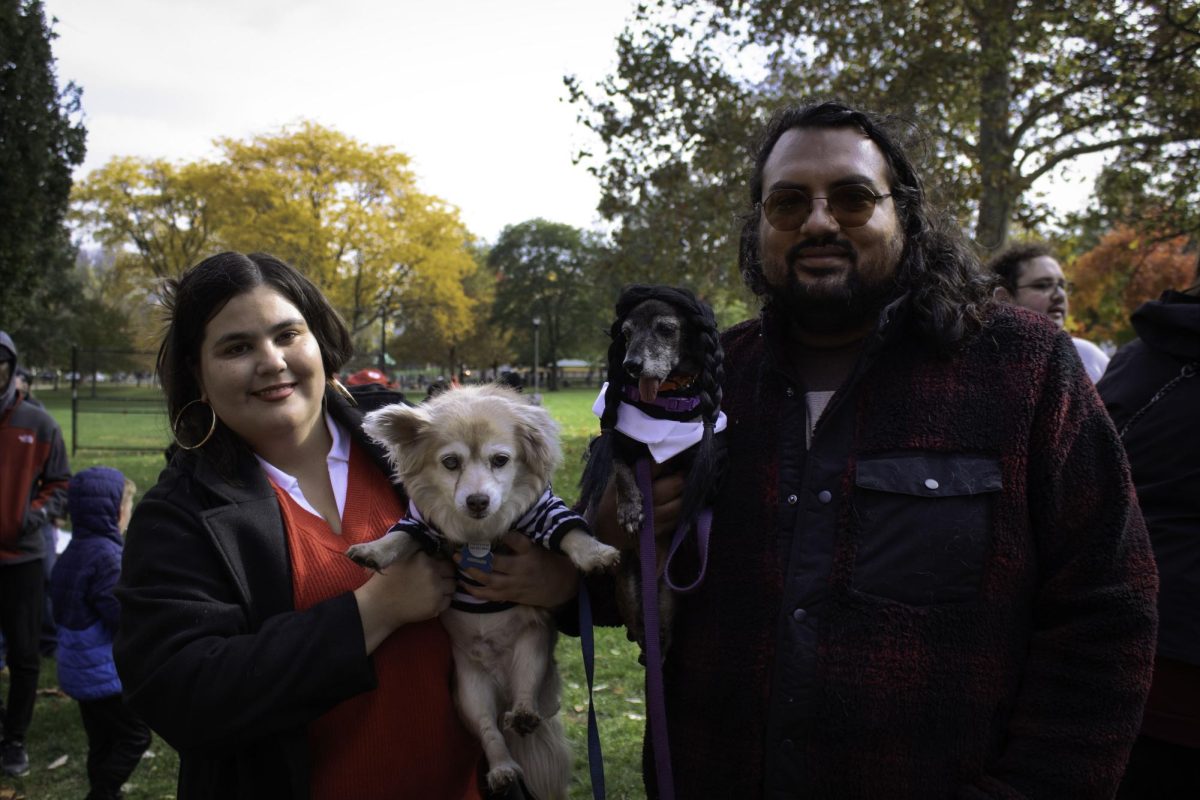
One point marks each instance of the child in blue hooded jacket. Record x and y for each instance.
(100, 501)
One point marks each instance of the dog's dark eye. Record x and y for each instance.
(450, 462)
(663, 329)
(499, 460)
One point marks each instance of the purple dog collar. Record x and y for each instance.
(675, 404)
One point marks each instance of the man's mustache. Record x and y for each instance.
(796, 251)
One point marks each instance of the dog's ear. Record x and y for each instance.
(396, 426)
(537, 437)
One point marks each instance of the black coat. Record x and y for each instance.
(1164, 454)
(210, 649)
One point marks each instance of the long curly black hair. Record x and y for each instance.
(947, 286)
(706, 467)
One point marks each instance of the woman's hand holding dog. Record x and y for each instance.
(531, 575)
(409, 590)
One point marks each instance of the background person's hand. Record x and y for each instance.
(410, 590)
(531, 575)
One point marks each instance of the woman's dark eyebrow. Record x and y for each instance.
(235, 336)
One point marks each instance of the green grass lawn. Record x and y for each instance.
(115, 419)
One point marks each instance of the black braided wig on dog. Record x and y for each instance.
(705, 470)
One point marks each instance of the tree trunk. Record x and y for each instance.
(995, 140)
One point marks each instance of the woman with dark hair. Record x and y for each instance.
(273, 664)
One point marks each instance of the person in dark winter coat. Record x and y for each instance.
(100, 500)
(275, 665)
(1152, 391)
(927, 575)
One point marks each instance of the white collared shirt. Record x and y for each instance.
(338, 462)
(664, 437)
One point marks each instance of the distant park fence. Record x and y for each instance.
(115, 402)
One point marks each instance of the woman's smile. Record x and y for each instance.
(275, 392)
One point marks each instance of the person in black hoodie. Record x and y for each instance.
(1152, 392)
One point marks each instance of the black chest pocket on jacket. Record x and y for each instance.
(924, 522)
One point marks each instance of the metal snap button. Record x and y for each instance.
(931, 483)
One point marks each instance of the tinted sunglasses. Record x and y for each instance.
(851, 205)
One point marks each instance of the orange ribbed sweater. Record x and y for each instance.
(403, 739)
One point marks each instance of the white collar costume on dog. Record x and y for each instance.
(546, 523)
(665, 438)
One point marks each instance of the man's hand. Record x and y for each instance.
(667, 493)
(531, 575)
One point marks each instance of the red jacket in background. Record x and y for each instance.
(33, 479)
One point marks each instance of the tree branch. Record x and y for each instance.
(1054, 160)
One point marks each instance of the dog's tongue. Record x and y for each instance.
(648, 389)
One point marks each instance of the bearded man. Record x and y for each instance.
(928, 576)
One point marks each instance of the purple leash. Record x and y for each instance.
(656, 707)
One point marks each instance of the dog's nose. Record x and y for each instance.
(633, 367)
(477, 503)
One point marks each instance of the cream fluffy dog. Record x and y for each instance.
(473, 461)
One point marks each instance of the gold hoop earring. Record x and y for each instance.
(179, 416)
(338, 387)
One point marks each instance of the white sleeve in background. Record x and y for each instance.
(1093, 358)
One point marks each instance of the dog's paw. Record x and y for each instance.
(629, 516)
(601, 558)
(522, 720)
(366, 555)
(589, 554)
(502, 776)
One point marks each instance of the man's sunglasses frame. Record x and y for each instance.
(852, 205)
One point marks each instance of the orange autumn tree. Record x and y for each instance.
(1125, 270)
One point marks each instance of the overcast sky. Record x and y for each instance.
(471, 90)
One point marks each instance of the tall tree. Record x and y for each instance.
(547, 271)
(476, 343)
(1124, 270)
(348, 214)
(1006, 91)
(161, 212)
(41, 139)
(94, 307)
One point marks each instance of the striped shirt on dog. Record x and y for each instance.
(545, 523)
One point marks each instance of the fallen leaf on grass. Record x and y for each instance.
(58, 762)
(8, 793)
(53, 691)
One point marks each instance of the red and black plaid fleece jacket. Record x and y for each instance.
(951, 594)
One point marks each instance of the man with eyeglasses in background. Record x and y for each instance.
(1030, 277)
(927, 575)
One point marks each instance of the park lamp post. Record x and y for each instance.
(384, 307)
(537, 326)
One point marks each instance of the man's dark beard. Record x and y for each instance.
(853, 306)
